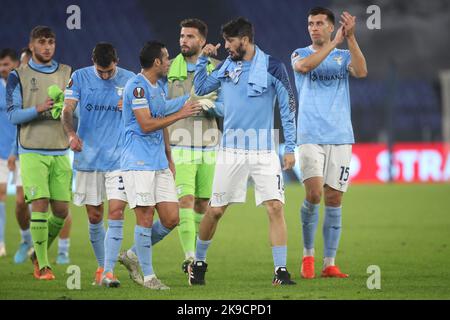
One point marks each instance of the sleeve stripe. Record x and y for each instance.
(140, 107)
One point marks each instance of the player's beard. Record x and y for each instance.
(240, 53)
(318, 42)
(189, 53)
(40, 59)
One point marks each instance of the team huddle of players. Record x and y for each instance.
(150, 140)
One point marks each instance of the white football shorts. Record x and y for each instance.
(233, 169)
(329, 161)
(147, 188)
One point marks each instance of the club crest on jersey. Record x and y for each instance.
(120, 91)
(139, 92)
(338, 60)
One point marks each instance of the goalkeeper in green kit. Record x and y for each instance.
(193, 140)
(45, 165)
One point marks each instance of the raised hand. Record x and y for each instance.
(339, 37)
(210, 50)
(348, 22)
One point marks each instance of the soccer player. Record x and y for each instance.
(194, 155)
(8, 62)
(146, 161)
(43, 144)
(97, 93)
(250, 81)
(325, 133)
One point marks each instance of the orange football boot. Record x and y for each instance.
(36, 271)
(98, 277)
(46, 274)
(333, 272)
(307, 271)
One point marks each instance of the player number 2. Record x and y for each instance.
(121, 187)
(344, 171)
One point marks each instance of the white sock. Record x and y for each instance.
(25, 234)
(278, 267)
(64, 242)
(150, 277)
(328, 262)
(308, 252)
(63, 245)
(189, 255)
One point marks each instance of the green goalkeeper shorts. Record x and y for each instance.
(46, 176)
(194, 172)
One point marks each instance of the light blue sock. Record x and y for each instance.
(143, 244)
(201, 248)
(97, 237)
(279, 254)
(63, 246)
(2, 221)
(26, 236)
(310, 218)
(331, 231)
(159, 232)
(113, 241)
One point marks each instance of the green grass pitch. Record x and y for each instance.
(403, 229)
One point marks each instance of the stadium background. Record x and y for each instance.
(400, 108)
(400, 101)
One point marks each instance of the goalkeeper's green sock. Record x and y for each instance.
(39, 234)
(55, 224)
(186, 231)
(197, 218)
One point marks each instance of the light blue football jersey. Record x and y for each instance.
(100, 118)
(143, 151)
(249, 120)
(324, 115)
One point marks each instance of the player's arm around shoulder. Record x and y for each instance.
(137, 95)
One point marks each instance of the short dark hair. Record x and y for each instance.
(152, 50)
(8, 52)
(104, 54)
(27, 51)
(42, 32)
(321, 10)
(239, 27)
(197, 24)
